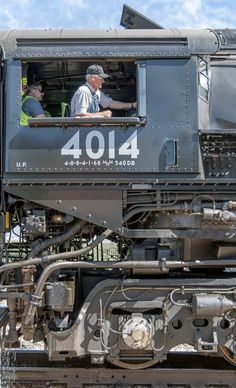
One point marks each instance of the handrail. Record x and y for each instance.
(85, 121)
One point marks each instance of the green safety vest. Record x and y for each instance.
(24, 117)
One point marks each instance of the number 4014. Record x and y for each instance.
(95, 144)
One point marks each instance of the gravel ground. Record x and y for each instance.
(31, 345)
(40, 346)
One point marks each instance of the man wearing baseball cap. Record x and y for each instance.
(88, 98)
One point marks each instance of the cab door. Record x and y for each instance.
(172, 115)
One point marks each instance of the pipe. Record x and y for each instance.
(76, 228)
(58, 256)
(147, 208)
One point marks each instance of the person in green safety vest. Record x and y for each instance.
(31, 104)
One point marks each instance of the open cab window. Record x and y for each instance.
(60, 80)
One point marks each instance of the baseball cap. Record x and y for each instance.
(97, 70)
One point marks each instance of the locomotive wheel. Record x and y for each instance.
(134, 366)
(227, 354)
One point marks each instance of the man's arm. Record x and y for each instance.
(33, 108)
(105, 113)
(119, 105)
(122, 105)
(40, 116)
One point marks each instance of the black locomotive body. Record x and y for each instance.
(118, 235)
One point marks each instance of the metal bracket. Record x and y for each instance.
(206, 347)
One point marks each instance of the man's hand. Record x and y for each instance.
(107, 113)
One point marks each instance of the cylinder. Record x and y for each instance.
(209, 305)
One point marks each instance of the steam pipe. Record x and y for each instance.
(76, 228)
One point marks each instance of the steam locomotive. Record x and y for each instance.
(118, 235)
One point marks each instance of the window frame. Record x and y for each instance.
(203, 79)
(138, 120)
